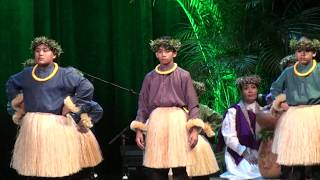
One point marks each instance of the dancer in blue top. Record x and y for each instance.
(296, 139)
(49, 143)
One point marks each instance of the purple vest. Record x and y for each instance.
(244, 134)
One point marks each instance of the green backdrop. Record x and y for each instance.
(105, 38)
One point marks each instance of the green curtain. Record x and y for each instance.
(104, 38)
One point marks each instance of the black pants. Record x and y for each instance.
(85, 174)
(300, 172)
(179, 173)
(201, 178)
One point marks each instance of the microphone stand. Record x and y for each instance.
(122, 133)
(122, 151)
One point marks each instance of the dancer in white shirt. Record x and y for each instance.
(238, 133)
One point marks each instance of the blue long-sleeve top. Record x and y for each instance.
(48, 96)
(299, 90)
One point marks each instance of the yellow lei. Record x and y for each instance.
(54, 72)
(174, 67)
(314, 65)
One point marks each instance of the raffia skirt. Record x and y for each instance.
(297, 136)
(166, 139)
(202, 160)
(89, 149)
(47, 146)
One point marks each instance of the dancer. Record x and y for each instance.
(297, 97)
(203, 162)
(170, 104)
(238, 133)
(49, 142)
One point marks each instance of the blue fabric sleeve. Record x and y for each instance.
(14, 85)
(82, 87)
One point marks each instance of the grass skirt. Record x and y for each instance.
(166, 139)
(297, 136)
(202, 159)
(90, 149)
(47, 146)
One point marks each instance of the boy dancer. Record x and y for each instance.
(49, 144)
(296, 139)
(170, 104)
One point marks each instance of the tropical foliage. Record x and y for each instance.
(199, 53)
(225, 39)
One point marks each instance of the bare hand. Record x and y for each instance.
(193, 138)
(65, 110)
(22, 106)
(82, 128)
(284, 106)
(140, 139)
(251, 156)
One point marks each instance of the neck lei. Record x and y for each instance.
(314, 65)
(51, 75)
(174, 67)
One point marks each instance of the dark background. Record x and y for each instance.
(108, 39)
(104, 38)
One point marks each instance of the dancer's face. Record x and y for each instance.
(165, 56)
(305, 57)
(249, 93)
(43, 55)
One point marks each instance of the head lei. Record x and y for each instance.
(253, 79)
(166, 42)
(304, 44)
(287, 61)
(200, 87)
(28, 63)
(52, 45)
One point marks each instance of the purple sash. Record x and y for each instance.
(244, 134)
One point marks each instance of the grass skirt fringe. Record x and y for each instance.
(202, 159)
(297, 136)
(90, 149)
(166, 139)
(47, 146)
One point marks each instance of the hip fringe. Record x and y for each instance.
(202, 159)
(47, 146)
(166, 139)
(297, 136)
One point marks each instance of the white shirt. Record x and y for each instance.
(244, 170)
